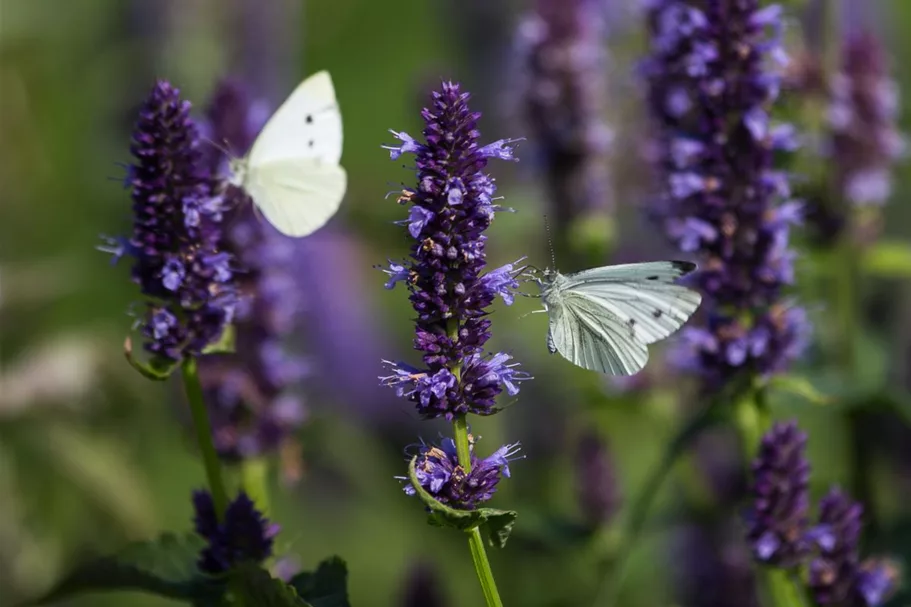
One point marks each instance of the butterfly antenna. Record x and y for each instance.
(550, 243)
(223, 147)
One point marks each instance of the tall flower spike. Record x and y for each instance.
(712, 79)
(779, 519)
(251, 393)
(561, 45)
(449, 210)
(187, 279)
(244, 535)
(439, 472)
(863, 117)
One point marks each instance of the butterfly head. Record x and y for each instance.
(238, 171)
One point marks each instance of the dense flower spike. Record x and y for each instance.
(837, 577)
(439, 472)
(863, 118)
(596, 483)
(449, 210)
(251, 393)
(711, 82)
(779, 519)
(562, 47)
(176, 230)
(244, 535)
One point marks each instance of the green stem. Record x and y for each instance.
(475, 541)
(254, 480)
(204, 436)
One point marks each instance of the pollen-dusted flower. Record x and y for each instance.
(449, 210)
(243, 535)
(439, 472)
(712, 78)
(251, 393)
(779, 520)
(177, 223)
(561, 44)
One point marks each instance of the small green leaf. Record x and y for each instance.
(327, 586)
(158, 369)
(225, 343)
(166, 567)
(889, 259)
(799, 386)
(497, 524)
(257, 588)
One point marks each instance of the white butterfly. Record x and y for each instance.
(603, 319)
(292, 171)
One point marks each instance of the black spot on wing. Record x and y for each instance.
(311, 143)
(657, 313)
(309, 118)
(652, 278)
(685, 267)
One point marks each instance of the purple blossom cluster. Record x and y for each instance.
(781, 536)
(862, 116)
(250, 393)
(712, 78)
(439, 472)
(561, 44)
(449, 210)
(244, 534)
(780, 516)
(177, 223)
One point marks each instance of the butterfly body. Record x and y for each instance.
(603, 319)
(292, 172)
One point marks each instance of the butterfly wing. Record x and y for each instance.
(297, 196)
(307, 125)
(590, 338)
(641, 296)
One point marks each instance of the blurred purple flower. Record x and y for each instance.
(711, 78)
(596, 483)
(177, 225)
(251, 393)
(439, 472)
(244, 535)
(779, 519)
(423, 587)
(451, 208)
(561, 44)
(837, 577)
(863, 115)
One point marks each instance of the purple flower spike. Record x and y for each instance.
(439, 472)
(834, 572)
(711, 86)
(450, 208)
(252, 394)
(779, 520)
(177, 218)
(244, 534)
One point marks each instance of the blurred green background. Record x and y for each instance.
(91, 455)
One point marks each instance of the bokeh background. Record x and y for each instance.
(92, 455)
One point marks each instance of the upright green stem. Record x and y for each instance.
(204, 436)
(475, 541)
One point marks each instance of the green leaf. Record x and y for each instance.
(888, 258)
(799, 386)
(225, 343)
(497, 524)
(166, 567)
(158, 368)
(257, 588)
(327, 586)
